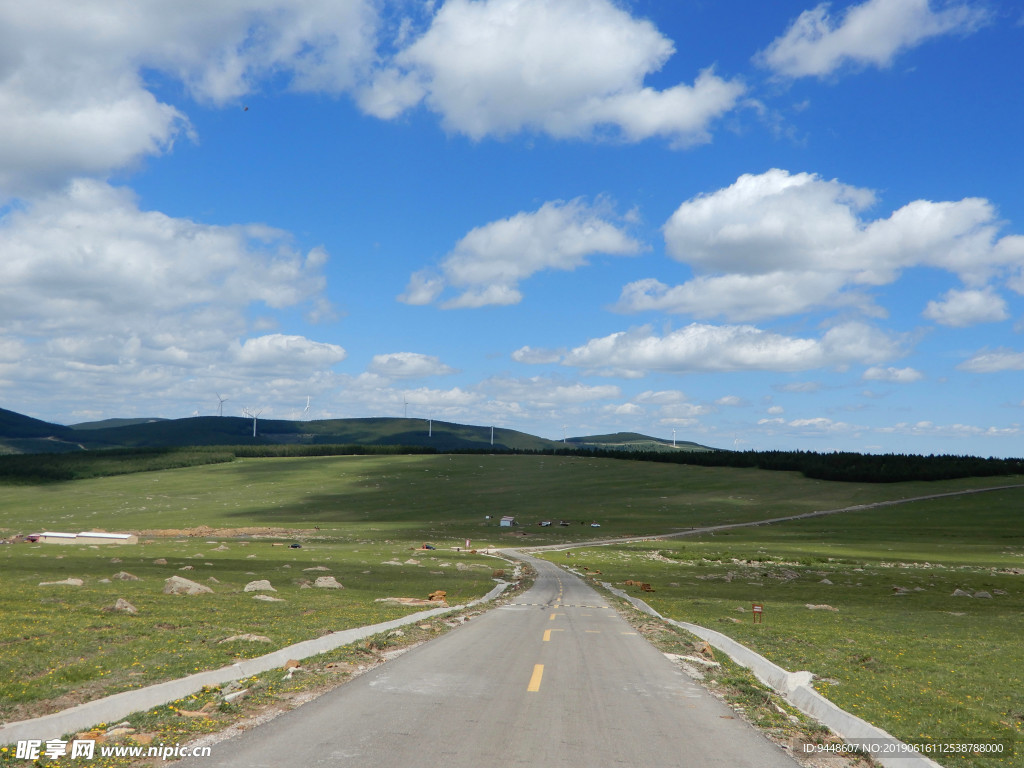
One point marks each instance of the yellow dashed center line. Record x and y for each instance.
(538, 673)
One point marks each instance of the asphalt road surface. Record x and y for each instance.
(555, 678)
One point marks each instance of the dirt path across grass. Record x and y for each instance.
(769, 521)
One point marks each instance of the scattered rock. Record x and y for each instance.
(65, 582)
(125, 576)
(160, 561)
(260, 585)
(122, 606)
(221, 548)
(983, 595)
(437, 596)
(292, 664)
(177, 585)
(825, 581)
(821, 607)
(268, 598)
(412, 561)
(187, 568)
(248, 637)
(327, 582)
(406, 601)
(703, 648)
(961, 593)
(317, 568)
(236, 695)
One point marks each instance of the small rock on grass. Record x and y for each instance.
(122, 606)
(260, 585)
(176, 585)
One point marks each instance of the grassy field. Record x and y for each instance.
(887, 639)
(360, 517)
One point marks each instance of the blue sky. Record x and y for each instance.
(747, 224)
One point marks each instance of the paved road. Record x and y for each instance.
(556, 678)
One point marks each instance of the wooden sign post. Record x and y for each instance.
(758, 612)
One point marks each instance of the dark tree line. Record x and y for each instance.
(838, 466)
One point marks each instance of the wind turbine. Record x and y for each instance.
(563, 433)
(220, 405)
(673, 438)
(249, 413)
(305, 412)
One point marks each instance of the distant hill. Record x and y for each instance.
(107, 423)
(632, 441)
(22, 434)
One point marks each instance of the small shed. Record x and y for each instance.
(507, 521)
(102, 537)
(87, 537)
(55, 537)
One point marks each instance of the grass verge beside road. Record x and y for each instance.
(865, 600)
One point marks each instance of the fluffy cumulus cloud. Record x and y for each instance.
(567, 68)
(708, 348)
(970, 307)
(74, 99)
(408, 365)
(872, 33)
(779, 243)
(488, 264)
(93, 289)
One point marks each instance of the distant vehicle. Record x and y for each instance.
(595, 525)
(296, 546)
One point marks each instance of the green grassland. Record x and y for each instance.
(357, 514)
(921, 663)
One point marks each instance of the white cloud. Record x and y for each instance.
(872, 33)
(113, 303)
(543, 392)
(994, 361)
(709, 348)
(281, 352)
(776, 244)
(563, 67)
(532, 356)
(896, 375)
(74, 100)
(408, 365)
(960, 309)
(489, 262)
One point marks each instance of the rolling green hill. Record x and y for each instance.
(23, 434)
(632, 441)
